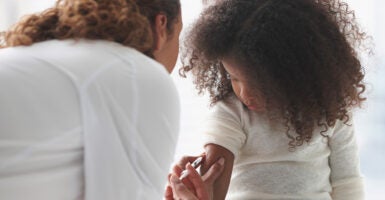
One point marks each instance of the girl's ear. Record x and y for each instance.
(160, 31)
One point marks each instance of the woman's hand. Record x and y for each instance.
(193, 187)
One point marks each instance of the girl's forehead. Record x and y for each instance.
(236, 69)
(231, 66)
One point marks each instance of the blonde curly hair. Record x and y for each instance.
(127, 22)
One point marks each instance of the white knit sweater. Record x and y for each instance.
(264, 168)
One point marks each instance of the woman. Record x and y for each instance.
(86, 113)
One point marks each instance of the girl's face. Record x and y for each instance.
(243, 88)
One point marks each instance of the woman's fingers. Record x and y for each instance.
(187, 159)
(197, 187)
(203, 185)
(177, 170)
(214, 171)
(196, 180)
(192, 187)
(168, 193)
(180, 190)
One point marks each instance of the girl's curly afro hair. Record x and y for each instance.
(300, 54)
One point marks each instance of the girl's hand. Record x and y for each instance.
(193, 187)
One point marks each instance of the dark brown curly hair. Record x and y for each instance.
(300, 54)
(127, 22)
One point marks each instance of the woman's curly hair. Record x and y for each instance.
(127, 22)
(300, 54)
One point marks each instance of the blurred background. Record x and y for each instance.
(369, 121)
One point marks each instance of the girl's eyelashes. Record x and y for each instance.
(231, 78)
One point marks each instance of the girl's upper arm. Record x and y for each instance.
(213, 153)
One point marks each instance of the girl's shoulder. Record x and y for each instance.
(233, 108)
(231, 105)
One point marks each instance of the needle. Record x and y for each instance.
(195, 164)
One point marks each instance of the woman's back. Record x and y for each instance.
(72, 109)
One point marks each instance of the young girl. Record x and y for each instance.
(283, 76)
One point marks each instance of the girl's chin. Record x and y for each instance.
(255, 108)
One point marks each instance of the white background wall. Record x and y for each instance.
(370, 121)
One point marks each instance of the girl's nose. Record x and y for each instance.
(245, 93)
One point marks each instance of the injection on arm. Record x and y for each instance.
(197, 162)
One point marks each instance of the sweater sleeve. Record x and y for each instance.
(224, 126)
(346, 179)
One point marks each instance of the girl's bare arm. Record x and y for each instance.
(213, 153)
